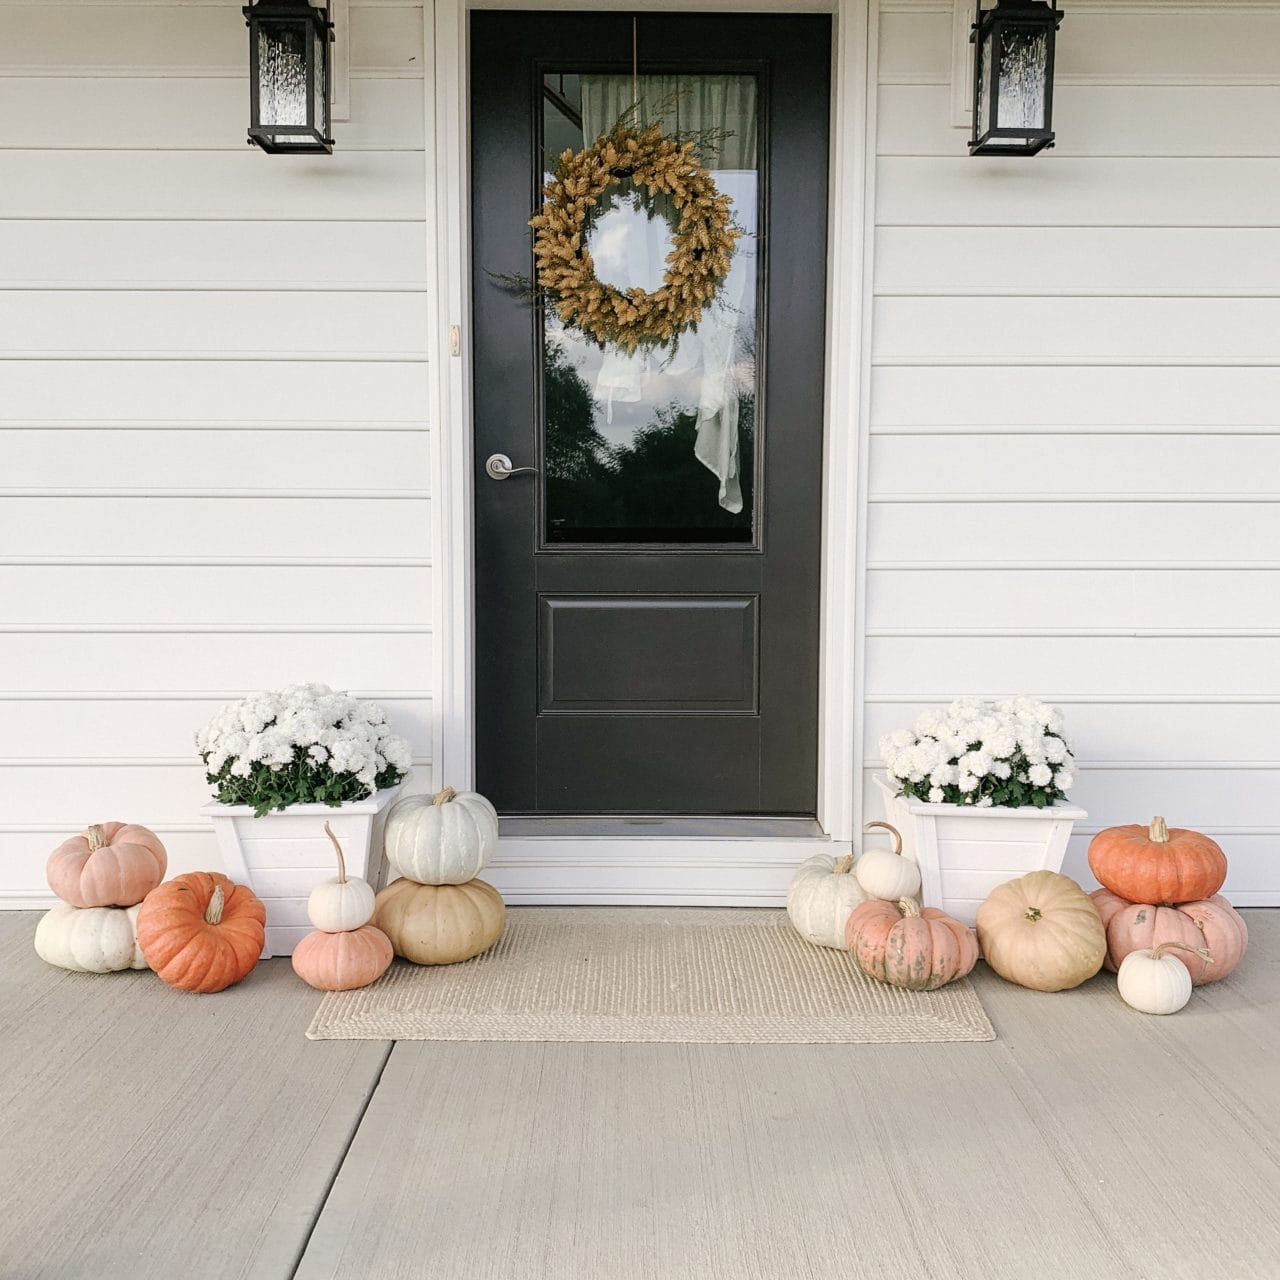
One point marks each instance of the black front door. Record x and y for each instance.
(647, 597)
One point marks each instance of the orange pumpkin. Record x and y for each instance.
(1212, 925)
(342, 961)
(112, 864)
(1157, 863)
(201, 932)
(898, 943)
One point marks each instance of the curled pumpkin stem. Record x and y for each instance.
(893, 831)
(337, 848)
(1203, 952)
(96, 837)
(909, 907)
(443, 796)
(213, 912)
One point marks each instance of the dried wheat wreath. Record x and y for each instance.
(702, 249)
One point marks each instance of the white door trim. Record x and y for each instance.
(848, 368)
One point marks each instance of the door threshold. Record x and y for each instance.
(641, 827)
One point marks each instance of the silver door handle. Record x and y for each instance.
(499, 467)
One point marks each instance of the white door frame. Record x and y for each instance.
(847, 392)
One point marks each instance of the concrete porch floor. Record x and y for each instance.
(144, 1133)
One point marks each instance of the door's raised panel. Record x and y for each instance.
(647, 655)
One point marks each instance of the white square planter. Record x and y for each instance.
(283, 855)
(963, 853)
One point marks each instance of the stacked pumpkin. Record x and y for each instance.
(101, 877)
(345, 951)
(1160, 903)
(870, 908)
(439, 912)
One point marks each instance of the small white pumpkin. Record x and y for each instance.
(1155, 980)
(90, 939)
(343, 903)
(447, 838)
(822, 897)
(887, 875)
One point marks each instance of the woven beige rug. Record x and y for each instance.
(674, 975)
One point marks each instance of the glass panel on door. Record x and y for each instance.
(659, 445)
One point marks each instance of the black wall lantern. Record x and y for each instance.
(289, 76)
(1013, 77)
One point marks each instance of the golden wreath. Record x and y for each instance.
(702, 239)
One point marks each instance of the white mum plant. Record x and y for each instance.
(303, 745)
(1009, 753)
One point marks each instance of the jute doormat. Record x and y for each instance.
(674, 975)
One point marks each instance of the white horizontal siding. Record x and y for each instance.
(1074, 470)
(213, 420)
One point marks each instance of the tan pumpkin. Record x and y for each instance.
(90, 939)
(440, 924)
(1211, 926)
(1042, 931)
(342, 961)
(905, 946)
(1157, 863)
(112, 864)
(342, 903)
(821, 898)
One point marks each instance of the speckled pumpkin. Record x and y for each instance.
(440, 924)
(1212, 925)
(898, 943)
(342, 961)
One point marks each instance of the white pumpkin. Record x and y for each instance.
(90, 939)
(343, 903)
(887, 875)
(1155, 980)
(822, 897)
(447, 838)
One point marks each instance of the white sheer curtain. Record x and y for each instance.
(722, 106)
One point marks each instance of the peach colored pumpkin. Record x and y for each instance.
(898, 943)
(112, 864)
(1042, 931)
(342, 961)
(1212, 925)
(201, 932)
(440, 924)
(1157, 863)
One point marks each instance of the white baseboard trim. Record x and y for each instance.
(16, 900)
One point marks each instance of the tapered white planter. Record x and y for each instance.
(283, 855)
(963, 853)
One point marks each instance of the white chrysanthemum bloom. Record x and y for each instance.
(1055, 750)
(1040, 774)
(929, 724)
(944, 775)
(1065, 779)
(977, 763)
(964, 709)
(967, 782)
(935, 795)
(985, 803)
(1001, 769)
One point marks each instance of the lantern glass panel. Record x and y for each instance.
(282, 74)
(1023, 73)
(320, 53)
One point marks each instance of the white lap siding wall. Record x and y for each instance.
(213, 404)
(1075, 433)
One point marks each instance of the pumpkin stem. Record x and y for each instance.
(337, 848)
(213, 912)
(443, 796)
(893, 831)
(1033, 914)
(909, 907)
(1159, 831)
(1203, 952)
(97, 838)
(843, 865)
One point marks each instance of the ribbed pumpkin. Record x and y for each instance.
(1042, 931)
(447, 838)
(1213, 925)
(1157, 863)
(821, 898)
(112, 864)
(440, 924)
(342, 961)
(885, 874)
(898, 943)
(201, 932)
(90, 939)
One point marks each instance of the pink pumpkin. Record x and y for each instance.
(342, 961)
(1212, 925)
(898, 943)
(112, 864)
